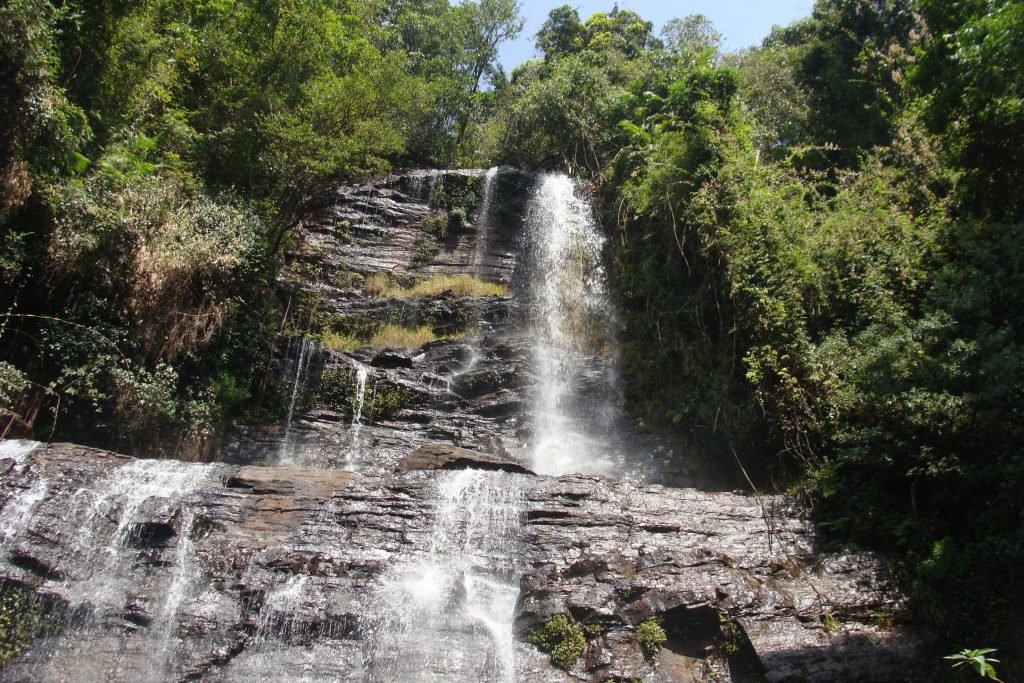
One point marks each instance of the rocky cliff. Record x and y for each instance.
(173, 571)
(454, 492)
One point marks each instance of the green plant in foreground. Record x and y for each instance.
(562, 638)
(976, 659)
(651, 634)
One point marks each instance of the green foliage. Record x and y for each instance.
(651, 634)
(22, 620)
(969, 102)
(977, 660)
(562, 638)
(425, 248)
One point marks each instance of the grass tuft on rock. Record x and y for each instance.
(457, 285)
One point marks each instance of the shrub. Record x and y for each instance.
(651, 634)
(562, 638)
(424, 250)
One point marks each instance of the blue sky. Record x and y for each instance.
(742, 23)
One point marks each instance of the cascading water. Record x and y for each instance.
(574, 408)
(299, 363)
(353, 451)
(107, 563)
(483, 221)
(456, 603)
(421, 183)
(16, 512)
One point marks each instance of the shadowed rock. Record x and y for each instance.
(436, 456)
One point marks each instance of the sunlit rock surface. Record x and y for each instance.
(226, 573)
(419, 511)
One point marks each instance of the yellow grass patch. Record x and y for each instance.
(393, 335)
(457, 285)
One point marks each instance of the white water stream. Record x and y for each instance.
(299, 362)
(483, 221)
(453, 608)
(574, 405)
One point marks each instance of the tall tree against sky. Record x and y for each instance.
(489, 23)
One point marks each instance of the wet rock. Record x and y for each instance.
(270, 571)
(391, 359)
(437, 456)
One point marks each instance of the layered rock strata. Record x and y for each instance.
(152, 570)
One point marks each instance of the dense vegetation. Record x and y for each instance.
(817, 243)
(818, 253)
(152, 157)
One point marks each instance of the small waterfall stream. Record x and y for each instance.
(458, 601)
(299, 363)
(483, 221)
(354, 450)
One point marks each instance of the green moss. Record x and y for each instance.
(562, 638)
(732, 634)
(651, 634)
(338, 391)
(21, 621)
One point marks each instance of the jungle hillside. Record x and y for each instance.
(816, 245)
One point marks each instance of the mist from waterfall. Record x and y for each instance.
(459, 600)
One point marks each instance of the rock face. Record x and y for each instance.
(156, 570)
(392, 527)
(440, 457)
(471, 391)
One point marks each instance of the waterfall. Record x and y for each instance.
(115, 543)
(353, 451)
(436, 600)
(483, 221)
(459, 600)
(574, 404)
(299, 367)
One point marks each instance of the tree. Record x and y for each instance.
(489, 23)
(969, 96)
(562, 33)
(692, 35)
(621, 30)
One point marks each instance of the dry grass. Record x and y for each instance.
(377, 284)
(457, 285)
(339, 342)
(394, 336)
(403, 337)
